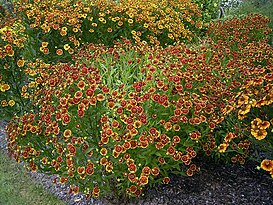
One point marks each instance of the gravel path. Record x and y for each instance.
(214, 185)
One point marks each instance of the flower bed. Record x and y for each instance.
(107, 111)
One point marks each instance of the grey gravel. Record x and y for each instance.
(214, 185)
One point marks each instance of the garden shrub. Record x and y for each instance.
(120, 117)
(64, 25)
(12, 75)
(104, 115)
(253, 102)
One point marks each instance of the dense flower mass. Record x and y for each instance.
(119, 100)
(153, 22)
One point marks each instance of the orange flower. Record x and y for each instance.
(143, 180)
(132, 168)
(20, 63)
(267, 165)
(166, 180)
(96, 190)
(137, 124)
(176, 139)
(189, 172)
(66, 119)
(168, 126)
(132, 177)
(176, 127)
(89, 170)
(81, 170)
(155, 171)
(138, 192)
(109, 167)
(133, 188)
(229, 137)
(89, 92)
(171, 150)
(100, 97)
(146, 171)
(46, 51)
(44, 44)
(81, 84)
(63, 180)
(118, 149)
(67, 133)
(8, 47)
(63, 32)
(90, 153)
(75, 190)
(103, 151)
(103, 161)
(243, 99)
(59, 52)
(264, 125)
(193, 167)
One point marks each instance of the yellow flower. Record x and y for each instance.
(101, 19)
(130, 21)
(257, 123)
(2, 30)
(66, 47)
(6, 66)
(11, 103)
(75, 30)
(70, 51)
(259, 134)
(120, 23)
(222, 147)
(31, 84)
(244, 109)
(160, 27)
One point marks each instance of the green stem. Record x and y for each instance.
(17, 89)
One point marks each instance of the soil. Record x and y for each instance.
(214, 185)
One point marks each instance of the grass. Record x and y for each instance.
(17, 188)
